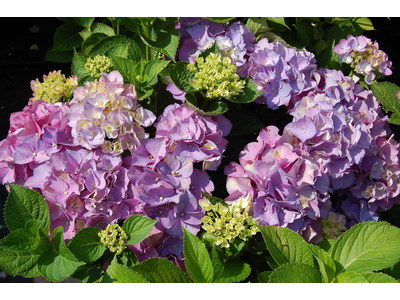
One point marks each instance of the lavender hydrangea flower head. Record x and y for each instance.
(363, 56)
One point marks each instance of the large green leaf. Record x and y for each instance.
(103, 45)
(166, 38)
(78, 68)
(386, 93)
(24, 263)
(84, 21)
(123, 274)
(137, 228)
(24, 205)
(229, 271)
(350, 277)
(58, 263)
(102, 28)
(278, 20)
(367, 246)
(182, 77)
(67, 37)
(86, 245)
(153, 68)
(378, 278)
(91, 41)
(220, 19)
(295, 273)
(264, 277)
(286, 246)
(326, 265)
(197, 261)
(161, 270)
(23, 239)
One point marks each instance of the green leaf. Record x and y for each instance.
(127, 258)
(278, 20)
(120, 50)
(264, 276)
(258, 26)
(327, 245)
(228, 271)
(350, 277)
(243, 122)
(133, 24)
(84, 21)
(123, 65)
(138, 227)
(394, 119)
(59, 56)
(91, 41)
(153, 68)
(327, 266)
(58, 263)
(214, 108)
(67, 37)
(305, 32)
(78, 68)
(26, 239)
(286, 246)
(106, 43)
(167, 38)
(182, 77)
(102, 28)
(197, 261)
(24, 205)
(89, 272)
(23, 263)
(123, 274)
(327, 56)
(365, 23)
(341, 30)
(367, 246)
(386, 93)
(295, 273)
(249, 94)
(378, 278)
(161, 270)
(86, 245)
(220, 19)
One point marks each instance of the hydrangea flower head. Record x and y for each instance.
(216, 76)
(363, 56)
(228, 223)
(54, 88)
(107, 113)
(98, 65)
(113, 237)
(334, 226)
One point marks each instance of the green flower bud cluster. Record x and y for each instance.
(216, 76)
(228, 223)
(54, 88)
(98, 65)
(333, 227)
(114, 238)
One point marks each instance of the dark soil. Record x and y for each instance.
(19, 65)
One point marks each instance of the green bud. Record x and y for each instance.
(113, 237)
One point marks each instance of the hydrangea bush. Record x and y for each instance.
(205, 148)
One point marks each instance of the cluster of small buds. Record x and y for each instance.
(98, 65)
(217, 76)
(228, 223)
(114, 238)
(363, 56)
(334, 226)
(54, 88)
